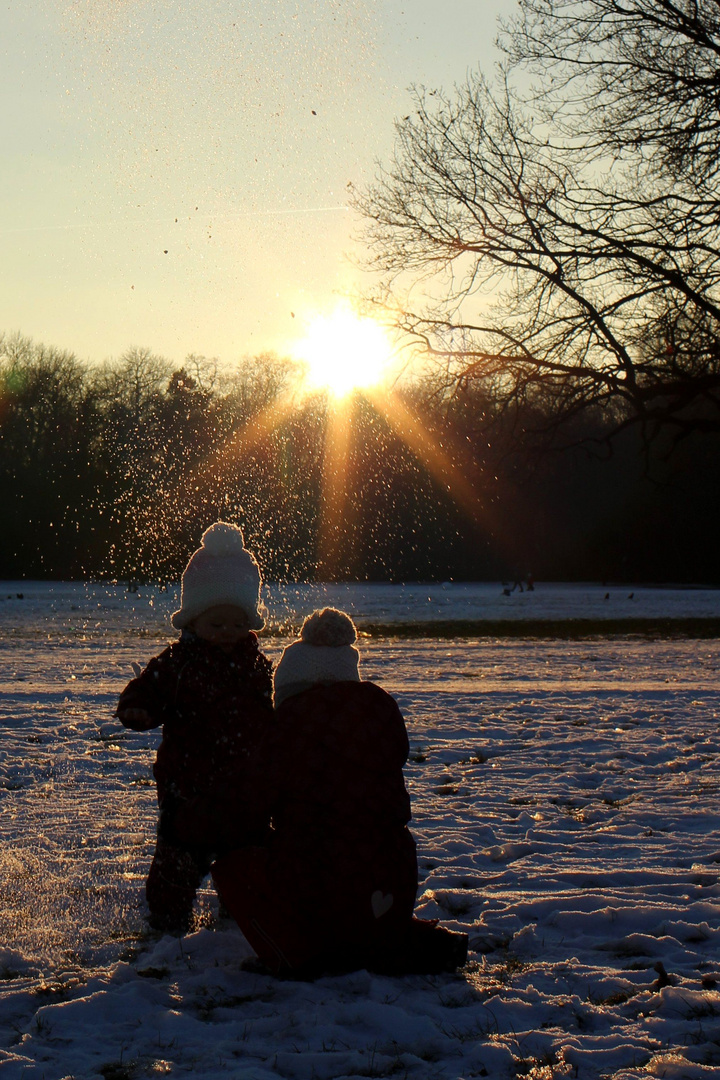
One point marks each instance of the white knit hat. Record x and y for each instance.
(324, 654)
(221, 571)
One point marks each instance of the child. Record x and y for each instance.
(211, 691)
(334, 887)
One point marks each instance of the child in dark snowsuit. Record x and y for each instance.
(334, 888)
(211, 691)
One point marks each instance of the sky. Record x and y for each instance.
(175, 172)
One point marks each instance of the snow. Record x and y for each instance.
(70, 607)
(565, 799)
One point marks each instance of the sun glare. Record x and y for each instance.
(344, 352)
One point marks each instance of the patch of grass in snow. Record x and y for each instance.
(618, 997)
(56, 990)
(207, 1003)
(616, 804)
(701, 1009)
(571, 807)
(396, 1068)
(461, 998)
(130, 953)
(42, 1026)
(429, 1053)
(537, 1068)
(478, 757)
(480, 1031)
(509, 966)
(119, 1070)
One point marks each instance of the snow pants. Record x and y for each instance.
(174, 877)
(310, 923)
(292, 940)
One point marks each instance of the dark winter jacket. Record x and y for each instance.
(340, 857)
(214, 709)
(332, 767)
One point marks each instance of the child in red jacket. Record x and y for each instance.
(334, 887)
(211, 692)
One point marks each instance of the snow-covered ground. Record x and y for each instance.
(565, 797)
(74, 608)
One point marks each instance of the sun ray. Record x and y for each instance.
(445, 460)
(220, 459)
(334, 525)
(441, 466)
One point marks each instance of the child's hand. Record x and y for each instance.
(136, 716)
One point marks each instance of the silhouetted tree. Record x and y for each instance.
(570, 261)
(84, 492)
(628, 75)
(50, 436)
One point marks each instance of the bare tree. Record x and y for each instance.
(134, 383)
(256, 382)
(638, 75)
(203, 371)
(45, 393)
(557, 271)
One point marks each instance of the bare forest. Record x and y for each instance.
(113, 472)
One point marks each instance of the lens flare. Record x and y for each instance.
(344, 352)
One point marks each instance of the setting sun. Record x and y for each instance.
(344, 352)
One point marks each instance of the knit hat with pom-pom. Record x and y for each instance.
(221, 571)
(324, 654)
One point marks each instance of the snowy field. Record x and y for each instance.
(565, 804)
(74, 608)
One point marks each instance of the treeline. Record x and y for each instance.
(114, 471)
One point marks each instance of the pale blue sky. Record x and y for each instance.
(175, 171)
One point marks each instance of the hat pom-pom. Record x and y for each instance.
(222, 538)
(328, 627)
